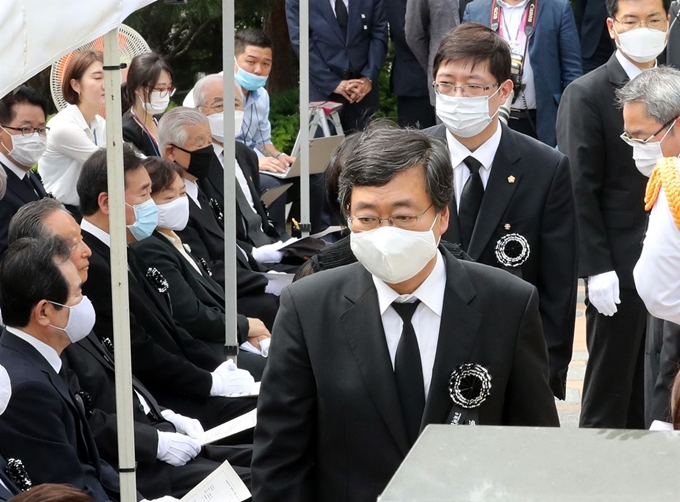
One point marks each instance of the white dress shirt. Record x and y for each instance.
(631, 70)
(192, 190)
(426, 319)
(12, 166)
(509, 29)
(346, 2)
(70, 142)
(50, 355)
(484, 154)
(657, 272)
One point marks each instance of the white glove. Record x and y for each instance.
(264, 346)
(176, 449)
(184, 425)
(229, 380)
(167, 498)
(268, 253)
(603, 292)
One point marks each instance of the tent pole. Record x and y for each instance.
(304, 118)
(119, 274)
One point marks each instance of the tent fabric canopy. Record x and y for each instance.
(35, 33)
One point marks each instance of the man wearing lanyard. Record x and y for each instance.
(609, 193)
(546, 57)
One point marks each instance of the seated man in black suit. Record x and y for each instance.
(513, 206)
(182, 372)
(23, 137)
(166, 446)
(352, 377)
(44, 425)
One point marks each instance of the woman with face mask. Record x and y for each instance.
(77, 131)
(146, 94)
(197, 300)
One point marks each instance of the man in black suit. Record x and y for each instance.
(408, 80)
(362, 355)
(22, 142)
(609, 193)
(165, 442)
(44, 424)
(591, 21)
(181, 371)
(347, 49)
(513, 206)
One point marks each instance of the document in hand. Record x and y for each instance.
(222, 485)
(320, 153)
(234, 426)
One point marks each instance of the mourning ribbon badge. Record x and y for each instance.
(159, 282)
(512, 250)
(469, 386)
(17, 473)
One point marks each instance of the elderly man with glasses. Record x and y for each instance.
(23, 137)
(513, 206)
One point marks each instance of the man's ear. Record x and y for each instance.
(169, 153)
(444, 221)
(506, 89)
(610, 27)
(39, 313)
(103, 203)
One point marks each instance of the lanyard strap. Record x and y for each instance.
(528, 20)
(146, 131)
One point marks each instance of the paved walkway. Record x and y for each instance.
(570, 408)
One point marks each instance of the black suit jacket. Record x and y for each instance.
(197, 300)
(329, 419)
(133, 133)
(608, 189)
(44, 427)
(17, 195)
(539, 205)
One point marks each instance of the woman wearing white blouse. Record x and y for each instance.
(76, 131)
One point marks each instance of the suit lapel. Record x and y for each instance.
(503, 180)
(14, 184)
(617, 75)
(457, 337)
(327, 11)
(363, 328)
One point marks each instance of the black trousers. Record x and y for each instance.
(662, 360)
(415, 112)
(613, 385)
(355, 116)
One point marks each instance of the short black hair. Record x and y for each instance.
(613, 7)
(30, 273)
(93, 177)
(475, 44)
(21, 95)
(251, 36)
(162, 173)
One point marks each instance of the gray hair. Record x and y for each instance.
(172, 128)
(658, 89)
(199, 88)
(383, 150)
(29, 220)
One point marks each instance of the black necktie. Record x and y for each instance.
(470, 201)
(27, 181)
(341, 14)
(408, 372)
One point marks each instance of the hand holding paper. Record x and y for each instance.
(185, 425)
(176, 449)
(229, 380)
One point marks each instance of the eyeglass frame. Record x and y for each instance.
(639, 24)
(390, 220)
(163, 92)
(483, 88)
(634, 141)
(23, 130)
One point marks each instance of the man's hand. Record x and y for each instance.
(257, 332)
(287, 159)
(343, 89)
(229, 380)
(184, 425)
(358, 88)
(176, 449)
(603, 292)
(272, 165)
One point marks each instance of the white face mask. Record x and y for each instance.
(81, 319)
(216, 121)
(174, 215)
(392, 254)
(464, 116)
(156, 103)
(642, 45)
(647, 154)
(27, 150)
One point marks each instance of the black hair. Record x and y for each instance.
(251, 36)
(145, 70)
(21, 95)
(613, 7)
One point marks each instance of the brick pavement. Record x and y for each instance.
(570, 408)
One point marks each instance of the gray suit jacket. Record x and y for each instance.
(427, 21)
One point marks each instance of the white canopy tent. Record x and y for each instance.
(34, 34)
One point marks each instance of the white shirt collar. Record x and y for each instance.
(80, 118)
(96, 231)
(218, 150)
(12, 166)
(192, 190)
(484, 154)
(508, 6)
(45, 350)
(430, 292)
(631, 70)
